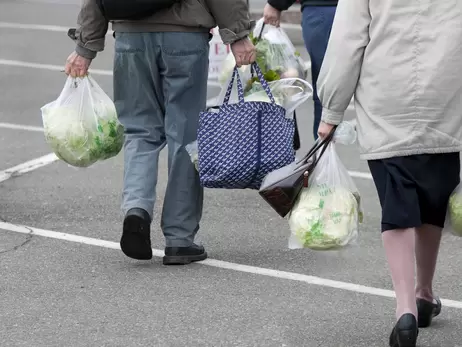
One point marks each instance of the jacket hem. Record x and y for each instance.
(146, 27)
(405, 153)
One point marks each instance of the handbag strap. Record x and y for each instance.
(263, 82)
(319, 144)
(240, 89)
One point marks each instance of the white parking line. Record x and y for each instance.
(39, 27)
(312, 280)
(18, 63)
(50, 158)
(21, 127)
(28, 166)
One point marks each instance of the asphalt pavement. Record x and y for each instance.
(65, 283)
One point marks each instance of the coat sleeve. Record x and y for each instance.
(91, 30)
(233, 19)
(281, 5)
(343, 60)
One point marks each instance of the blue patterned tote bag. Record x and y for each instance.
(243, 142)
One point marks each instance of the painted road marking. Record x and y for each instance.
(26, 167)
(50, 158)
(59, 68)
(312, 280)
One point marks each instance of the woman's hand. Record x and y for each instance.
(272, 16)
(324, 129)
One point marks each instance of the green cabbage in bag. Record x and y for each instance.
(327, 213)
(455, 212)
(324, 218)
(81, 126)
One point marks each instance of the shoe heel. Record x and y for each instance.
(407, 338)
(425, 320)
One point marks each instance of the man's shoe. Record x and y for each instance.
(184, 255)
(136, 236)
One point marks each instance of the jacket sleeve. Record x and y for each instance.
(281, 5)
(91, 30)
(233, 19)
(343, 60)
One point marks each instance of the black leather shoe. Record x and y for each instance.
(136, 236)
(427, 311)
(405, 332)
(184, 255)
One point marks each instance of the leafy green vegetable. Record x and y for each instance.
(82, 140)
(455, 212)
(324, 218)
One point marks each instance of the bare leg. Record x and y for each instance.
(399, 248)
(427, 244)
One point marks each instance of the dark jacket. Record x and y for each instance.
(231, 16)
(283, 5)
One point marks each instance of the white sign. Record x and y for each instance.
(218, 53)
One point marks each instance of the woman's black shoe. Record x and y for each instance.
(427, 311)
(405, 332)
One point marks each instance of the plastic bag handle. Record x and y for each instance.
(240, 89)
(261, 31)
(257, 40)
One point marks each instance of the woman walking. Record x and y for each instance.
(402, 60)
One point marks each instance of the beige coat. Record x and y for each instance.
(402, 62)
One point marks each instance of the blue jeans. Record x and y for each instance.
(316, 25)
(160, 87)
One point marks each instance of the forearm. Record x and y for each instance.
(343, 60)
(91, 30)
(233, 19)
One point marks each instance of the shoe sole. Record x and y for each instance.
(133, 244)
(183, 259)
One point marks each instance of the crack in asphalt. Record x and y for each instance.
(15, 248)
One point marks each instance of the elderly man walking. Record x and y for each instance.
(160, 86)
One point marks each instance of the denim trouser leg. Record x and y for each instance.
(317, 24)
(184, 68)
(160, 86)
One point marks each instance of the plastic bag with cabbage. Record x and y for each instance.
(276, 56)
(281, 65)
(81, 126)
(455, 212)
(327, 213)
(288, 93)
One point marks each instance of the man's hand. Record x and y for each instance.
(244, 52)
(77, 66)
(272, 16)
(324, 129)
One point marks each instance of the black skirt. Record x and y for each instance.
(415, 190)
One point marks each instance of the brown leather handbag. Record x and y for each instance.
(281, 187)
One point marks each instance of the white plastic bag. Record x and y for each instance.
(282, 68)
(81, 126)
(327, 213)
(276, 56)
(193, 152)
(345, 133)
(288, 93)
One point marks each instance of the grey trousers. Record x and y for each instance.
(160, 87)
